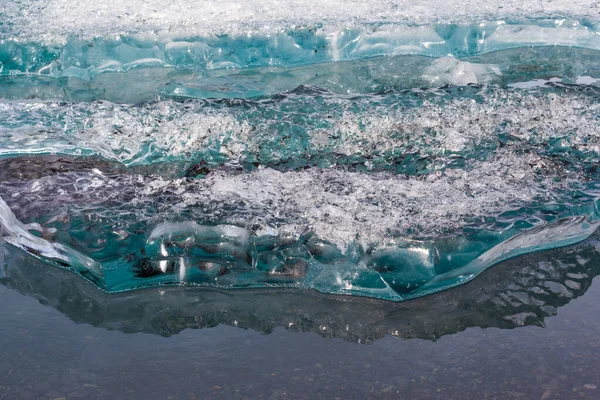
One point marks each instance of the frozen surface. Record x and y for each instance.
(87, 17)
(388, 150)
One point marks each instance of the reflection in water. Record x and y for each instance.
(517, 292)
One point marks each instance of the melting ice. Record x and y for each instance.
(389, 151)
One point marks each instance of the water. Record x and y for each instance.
(538, 314)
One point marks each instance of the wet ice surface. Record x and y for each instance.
(539, 338)
(393, 195)
(387, 151)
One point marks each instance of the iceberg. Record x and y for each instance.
(386, 151)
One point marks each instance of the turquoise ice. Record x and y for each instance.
(388, 151)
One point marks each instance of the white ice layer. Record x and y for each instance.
(53, 18)
(158, 131)
(341, 207)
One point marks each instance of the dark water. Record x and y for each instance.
(525, 329)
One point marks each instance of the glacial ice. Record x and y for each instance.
(388, 151)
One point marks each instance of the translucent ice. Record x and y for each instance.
(390, 150)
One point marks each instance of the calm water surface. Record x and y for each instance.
(62, 338)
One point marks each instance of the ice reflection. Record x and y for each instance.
(518, 292)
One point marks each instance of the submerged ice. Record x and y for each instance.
(390, 152)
